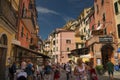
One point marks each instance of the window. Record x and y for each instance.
(82, 37)
(97, 8)
(54, 49)
(84, 29)
(116, 8)
(93, 27)
(24, 10)
(26, 36)
(118, 26)
(3, 39)
(98, 23)
(68, 49)
(78, 45)
(22, 32)
(92, 48)
(53, 42)
(68, 41)
(105, 31)
(102, 2)
(88, 31)
(104, 17)
(31, 40)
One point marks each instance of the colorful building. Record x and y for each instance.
(117, 19)
(103, 40)
(63, 41)
(8, 29)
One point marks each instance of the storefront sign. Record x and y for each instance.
(106, 39)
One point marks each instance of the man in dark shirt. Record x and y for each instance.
(110, 68)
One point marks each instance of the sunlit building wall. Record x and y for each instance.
(116, 7)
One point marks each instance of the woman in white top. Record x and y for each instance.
(80, 70)
(21, 75)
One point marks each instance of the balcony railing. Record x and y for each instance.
(7, 13)
(29, 18)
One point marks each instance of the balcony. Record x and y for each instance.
(7, 14)
(28, 19)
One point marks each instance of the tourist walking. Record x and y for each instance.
(56, 73)
(12, 71)
(21, 75)
(29, 69)
(47, 71)
(91, 72)
(23, 64)
(80, 70)
(110, 69)
(68, 69)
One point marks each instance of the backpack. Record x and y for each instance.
(64, 66)
(12, 69)
(28, 69)
(47, 70)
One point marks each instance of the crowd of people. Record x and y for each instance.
(52, 71)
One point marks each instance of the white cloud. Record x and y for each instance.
(66, 18)
(46, 11)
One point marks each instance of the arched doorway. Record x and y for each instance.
(3, 53)
(107, 52)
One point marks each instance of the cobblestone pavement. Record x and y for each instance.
(100, 77)
(105, 76)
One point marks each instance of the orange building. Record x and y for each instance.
(27, 33)
(103, 41)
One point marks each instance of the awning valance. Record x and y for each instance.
(80, 51)
(32, 51)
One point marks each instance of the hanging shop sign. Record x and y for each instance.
(106, 39)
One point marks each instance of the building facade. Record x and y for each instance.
(102, 43)
(27, 31)
(117, 19)
(8, 29)
(63, 41)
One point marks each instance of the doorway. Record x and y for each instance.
(3, 54)
(107, 52)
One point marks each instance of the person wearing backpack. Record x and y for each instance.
(47, 71)
(29, 70)
(12, 70)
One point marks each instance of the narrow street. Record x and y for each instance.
(38, 37)
(100, 77)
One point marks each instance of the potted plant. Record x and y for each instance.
(99, 69)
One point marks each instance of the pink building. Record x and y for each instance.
(63, 42)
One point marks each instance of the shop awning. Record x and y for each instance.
(80, 51)
(32, 51)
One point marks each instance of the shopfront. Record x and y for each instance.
(102, 49)
(21, 53)
(3, 54)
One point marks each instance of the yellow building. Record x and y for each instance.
(117, 18)
(8, 30)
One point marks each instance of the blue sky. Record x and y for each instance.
(53, 14)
